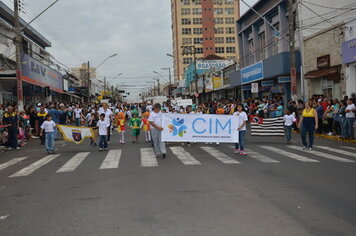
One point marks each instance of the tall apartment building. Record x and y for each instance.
(82, 73)
(209, 25)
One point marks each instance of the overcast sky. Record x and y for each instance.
(82, 30)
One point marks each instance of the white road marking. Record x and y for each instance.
(11, 162)
(351, 148)
(289, 154)
(34, 166)
(352, 154)
(73, 163)
(112, 160)
(220, 156)
(184, 156)
(321, 154)
(148, 158)
(260, 157)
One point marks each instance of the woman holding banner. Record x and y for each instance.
(242, 117)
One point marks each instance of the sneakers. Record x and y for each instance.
(243, 153)
(105, 149)
(303, 148)
(164, 155)
(100, 149)
(310, 148)
(237, 151)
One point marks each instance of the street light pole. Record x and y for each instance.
(18, 42)
(170, 80)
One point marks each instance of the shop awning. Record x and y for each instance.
(328, 73)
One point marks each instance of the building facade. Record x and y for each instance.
(349, 57)
(82, 73)
(209, 25)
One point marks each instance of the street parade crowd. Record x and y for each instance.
(319, 114)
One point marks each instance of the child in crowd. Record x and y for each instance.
(146, 126)
(288, 119)
(242, 119)
(135, 124)
(48, 127)
(92, 123)
(103, 125)
(120, 124)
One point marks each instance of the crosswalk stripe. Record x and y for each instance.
(74, 162)
(347, 147)
(322, 154)
(148, 158)
(289, 154)
(220, 155)
(260, 157)
(11, 162)
(184, 156)
(34, 166)
(337, 151)
(112, 160)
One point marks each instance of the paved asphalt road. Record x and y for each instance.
(198, 190)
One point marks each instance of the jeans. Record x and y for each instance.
(241, 143)
(77, 122)
(342, 125)
(159, 146)
(308, 126)
(103, 143)
(349, 127)
(288, 132)
(50, 142)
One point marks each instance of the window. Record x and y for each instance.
(185, 11)
(231, 58)
(229, 20)
(197, 11)
(197, 21)
(198, 40)
(230, 39)
(186, 31)
(199, 50)
(219, 50)
(219, 30)
(262, 41)
(219, 40)
(196, 2)
(185, 2)
(230, 30)
(230, 50)
(276, 39)
(218, 2)
(229, 2)
(229, 10)
(218, 11)
(219, 21)
(187, 60)
(186, 21)
(197, 31)
(187, 41)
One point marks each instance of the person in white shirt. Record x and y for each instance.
(155, 120)
(78, 115)
(242, 120)
(103, 125)
(288, 124)
(48, 127)
(108, 118)
(350, 119)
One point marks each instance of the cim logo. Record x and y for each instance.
(211, 126)
(177, 127)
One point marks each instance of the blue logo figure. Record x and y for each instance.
(177, 127)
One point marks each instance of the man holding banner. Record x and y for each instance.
(155, 120)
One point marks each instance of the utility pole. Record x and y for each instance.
(104, 87)
(89, 82)
(158, 88)
(291, 29)
(18, 44)
(190, 50)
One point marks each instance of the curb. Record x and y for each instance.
(334, 138)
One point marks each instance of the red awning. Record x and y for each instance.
(328, 73)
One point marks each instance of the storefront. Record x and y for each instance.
(326, 80)
(349, 59)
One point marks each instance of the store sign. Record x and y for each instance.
(278, 88)
(252, 73)
(208, 84)
(184, 102)
(34, 72)
(213, 64)
(254, 88)
(200, 85)
(284, 79)
(349, 51)
(267, 83)
(217, 82)
(323, 62)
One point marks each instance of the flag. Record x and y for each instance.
(268, 127)
(75, 134)
(256, 119)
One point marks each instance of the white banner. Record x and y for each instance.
(200, 128)
(185, 102)
(75, 134)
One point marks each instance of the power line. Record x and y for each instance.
(327, 7)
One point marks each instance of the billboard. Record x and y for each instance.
(37, 73)
(213, 65)
(252, 73)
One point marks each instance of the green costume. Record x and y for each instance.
(135, 124)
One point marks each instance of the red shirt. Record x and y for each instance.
(325, 105)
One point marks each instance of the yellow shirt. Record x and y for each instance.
(309, 113)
